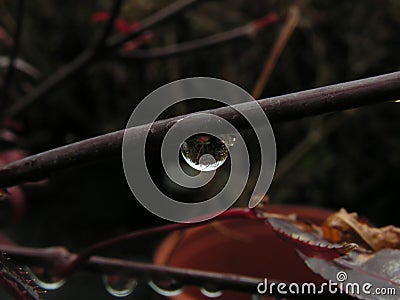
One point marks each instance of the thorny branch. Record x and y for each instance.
(291, 106)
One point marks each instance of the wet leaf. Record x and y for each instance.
(330, 250)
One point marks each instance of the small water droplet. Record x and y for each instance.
(119, 286)
(168, 289)
(211, 292)
(44, 279)
(205, 152)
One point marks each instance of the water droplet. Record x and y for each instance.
(119, 286)
(211, 292)
(168, 289)
(45, 279)
(205, 152)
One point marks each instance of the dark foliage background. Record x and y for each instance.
(356, 166)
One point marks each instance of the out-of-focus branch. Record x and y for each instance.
(317, 101)
(13, 56)
(284, 35)
(67, 70)
(89, 54)
(213, 40)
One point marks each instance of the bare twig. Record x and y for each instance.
(284, 35)
(213, 40)
(13, 56)
(296, 105)
(89, 54)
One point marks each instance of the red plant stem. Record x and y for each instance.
(80, 259)
(213, 40)
(281, 108)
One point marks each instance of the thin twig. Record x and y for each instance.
(92, 250)
(13, 56)
(213, 40)
(88, 55)
(284, 35)
(291, 106)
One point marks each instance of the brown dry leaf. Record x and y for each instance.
(349, 227)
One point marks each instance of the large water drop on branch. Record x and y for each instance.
(119, 286)
(205, 152)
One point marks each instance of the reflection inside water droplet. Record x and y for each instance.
(205, 152)
(119, 286)
(211, 292)
(44, 279)
(167, 289)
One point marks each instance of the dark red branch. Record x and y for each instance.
(296, 105)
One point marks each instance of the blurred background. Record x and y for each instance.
(347, 159)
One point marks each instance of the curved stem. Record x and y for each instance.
(287, 107)
(80, 259)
